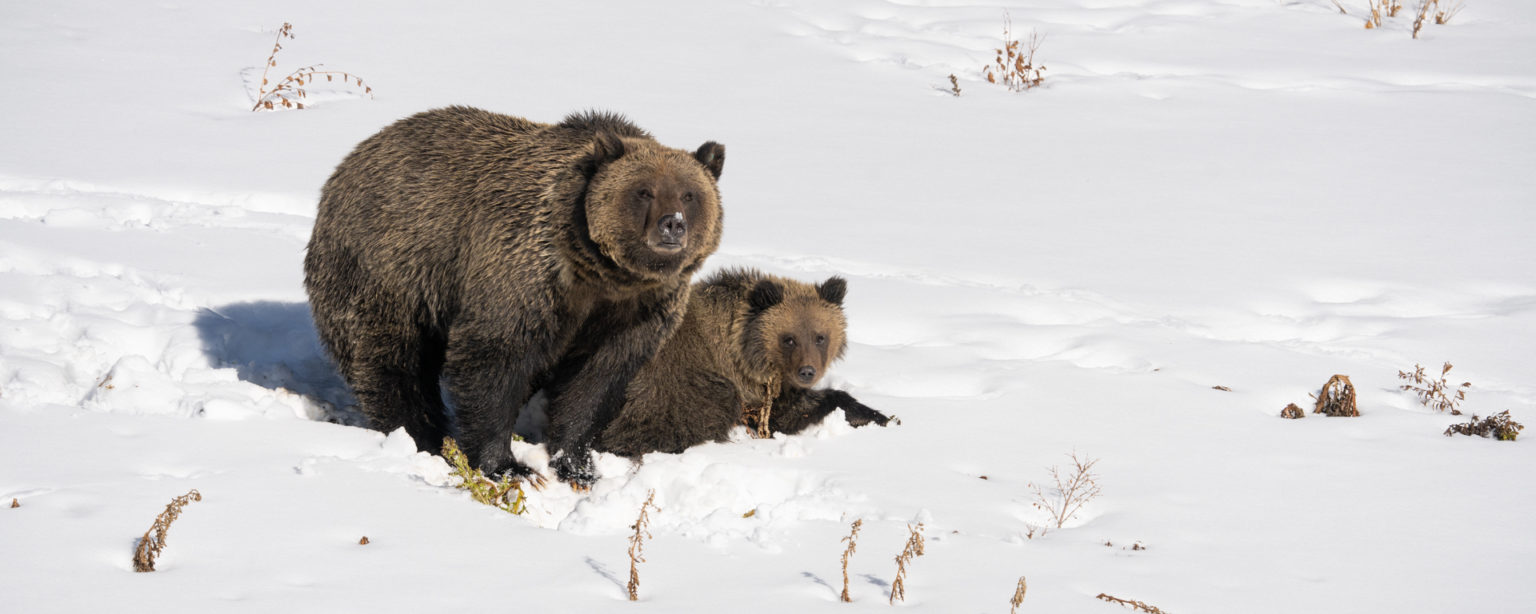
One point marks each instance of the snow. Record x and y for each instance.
(1255, 194)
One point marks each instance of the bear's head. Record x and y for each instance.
(653, 210)
(795, 329)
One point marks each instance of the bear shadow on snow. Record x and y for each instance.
(274, 345)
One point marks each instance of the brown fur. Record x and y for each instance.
(730, 352)
(506, 255)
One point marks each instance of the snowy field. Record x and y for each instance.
(1251, 194)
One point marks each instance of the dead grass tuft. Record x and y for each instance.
(1014, 67)
(154, 539)
(1293, 412)
(1337, 398)
(1018, 596)
(1498, 426)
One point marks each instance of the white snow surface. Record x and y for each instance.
(1254, 194)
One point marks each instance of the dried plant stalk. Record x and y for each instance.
(637, 543)
(1073, 490)
(914, 548)
(289, 91)
(1498, 426)
(154, 539)
(954, 85)
(1139, 606)
(1018, 596)
(1293, 412)
(852, 541)
(505, 494)
(15, 503)
(757, 417)
(1435, 394)
(1337, 398)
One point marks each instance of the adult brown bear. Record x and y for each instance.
(509, 256)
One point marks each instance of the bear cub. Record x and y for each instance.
(505, 256)
(747, 340)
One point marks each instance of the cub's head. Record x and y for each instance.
(652, 209)
(796, 329)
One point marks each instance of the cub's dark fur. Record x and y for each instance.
(507, 255)
(743, 332)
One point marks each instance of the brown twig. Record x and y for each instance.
(1435, 394)
(1135, 605)
(914, 548)
(637, 543)
(1073, 490)
(151, 545)
(289, 91)
(852, 541)
(1018, 596)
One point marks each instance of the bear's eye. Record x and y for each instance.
(821, 339)
(645, 194)
(788, 341)
(688, 197)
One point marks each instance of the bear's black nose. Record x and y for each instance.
(807, 373)
(672, 227)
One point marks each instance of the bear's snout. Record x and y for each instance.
(673, 229)
(806, 374)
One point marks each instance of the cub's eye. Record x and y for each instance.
(645, 193)
(688, 197)
(821, 339)
(788, 342)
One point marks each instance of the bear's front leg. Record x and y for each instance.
(489, 380)
(589, 387)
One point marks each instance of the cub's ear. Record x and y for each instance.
(765, 294)
(832, 290)
(606, 147)
(712, 156)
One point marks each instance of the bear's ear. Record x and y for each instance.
(765, 294)
(606, 147)
(833, 290)
(712, 156)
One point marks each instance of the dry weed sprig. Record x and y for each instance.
(505, 494)
(1073, 490)
(1498, 426)
(1018, 596)
(914, 548)
(289, 91)
(15, 503)
(1014, 66)
(1443, 14)
(1337, 398)
(954, 85)
(1435, 394)
(637, 543)
(852, 541)
(757, 418)
(1139, 606)
(154, 539)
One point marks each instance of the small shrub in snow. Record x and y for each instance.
(364, 541)
(913, 549)
(289, 91)
(1498, 426)
(154, 539)
(637, 543)
(1014, 66)
(1337, 398)
(1435, 394)
(505, 494)
(1018, 596)
(1292, 412)
(15, 503)
(852, 541)
(1139, 606)
(1073, 489)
